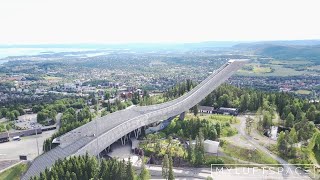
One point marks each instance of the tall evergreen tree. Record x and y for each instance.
(282, 144)
(190, 155)
(195, 110)
(122, 170)
(165, 167)
(170, 171)
(199, 150)
(293, 136)
(290, 120)
(144, 174)
(218, 129)
(130, 171)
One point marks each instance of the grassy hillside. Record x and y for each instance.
(14, 173)
(251, 155)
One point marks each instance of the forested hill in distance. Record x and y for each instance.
(281, 50)
(286, 50)
(141, 46)
(178, 45)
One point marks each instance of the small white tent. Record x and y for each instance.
(211, 146)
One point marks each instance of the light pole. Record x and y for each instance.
(97, 130)
(37, 140)
(97, 141)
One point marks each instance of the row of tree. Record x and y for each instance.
(12, 112)
(28, 99)
(5, 127)
(167, 167)
(70, 120)
(291, 109)
(288, 147)
(179, 89)
(301, 132)
(46, 114)
(173, 92)
(117, 105)
(145, 99)
(286, 142)
(49, 111)
(61, 105)
(196, 152)
(87, 167)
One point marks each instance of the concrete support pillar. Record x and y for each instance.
(108, 149)
(121, 140)
(124, 139)
(182, 115)
(137, 132)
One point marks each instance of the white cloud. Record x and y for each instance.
(75, 21)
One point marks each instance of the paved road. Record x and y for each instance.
(58, 118)
(288, 168)
(230, 174)
(124, 152)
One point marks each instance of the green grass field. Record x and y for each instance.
(215, 117)
(251, 155)
(278, 70)
(278, 67)
(303, 92)
(52, 78)
(257, 69)
(14, 173)
(284, 62)
(317, 68)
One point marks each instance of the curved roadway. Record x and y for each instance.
(290, 171)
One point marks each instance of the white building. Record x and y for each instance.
(206, 109)
(211, 146)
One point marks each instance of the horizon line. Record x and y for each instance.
(155, 42)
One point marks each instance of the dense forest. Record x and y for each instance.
(212, 128)
(87, 167)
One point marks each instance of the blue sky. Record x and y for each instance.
(120, 21)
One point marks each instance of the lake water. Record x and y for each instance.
(5, 52)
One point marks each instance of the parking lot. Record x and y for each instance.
(28, 121)
(26, 146)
